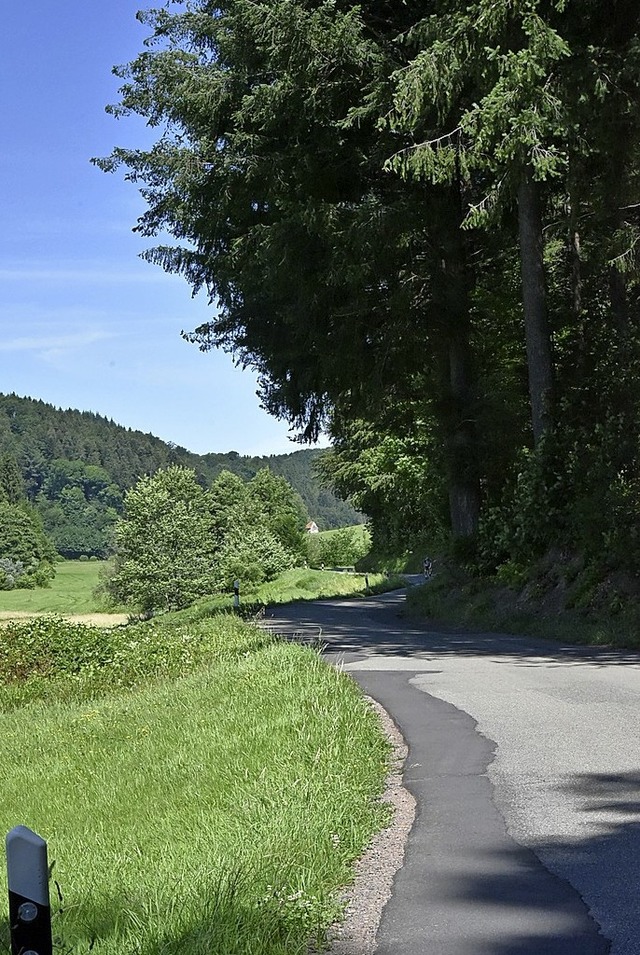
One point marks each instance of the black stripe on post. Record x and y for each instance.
(28, 880)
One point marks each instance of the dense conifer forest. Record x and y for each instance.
(419, 224)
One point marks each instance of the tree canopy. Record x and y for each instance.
(419, 226)
(165, 543)
(177, 541)
(26, 554)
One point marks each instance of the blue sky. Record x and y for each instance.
(85, 323)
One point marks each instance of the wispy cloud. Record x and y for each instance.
(53, 343)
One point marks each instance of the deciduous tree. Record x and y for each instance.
(166, 543)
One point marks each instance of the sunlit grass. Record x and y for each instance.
(300, 583)
(218, 813)
(203, 787)
(307, 584)
(71, 592)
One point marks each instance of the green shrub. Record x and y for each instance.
(344, 547)
(511, 574)
(10, 573)
(251, 556)
(49, 657)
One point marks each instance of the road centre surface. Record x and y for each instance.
(524, 757)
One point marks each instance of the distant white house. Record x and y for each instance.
(312, 528)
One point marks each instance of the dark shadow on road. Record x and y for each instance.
(507, 902)
(377, 625)
(602, 866)
(612, 798)
(541, 945)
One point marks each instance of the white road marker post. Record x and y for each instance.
(28, 882)
(236, 596)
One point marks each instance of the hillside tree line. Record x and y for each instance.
(174, 541)
(75, 467)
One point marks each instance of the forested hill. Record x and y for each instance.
(297, 468)
(36, 434)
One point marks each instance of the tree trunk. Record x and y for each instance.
(464, 486)
(534, 305)
(463, 480)
(576, 294)
(576, 279)
(618, 299)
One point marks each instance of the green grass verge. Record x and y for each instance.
(307, 584)
(203, 787)
(218, 813)
(50, 659)
(71, 591)
(300, 583)
(454, 597)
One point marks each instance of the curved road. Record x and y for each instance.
(524, 759)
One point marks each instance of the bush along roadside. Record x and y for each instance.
(49, 658)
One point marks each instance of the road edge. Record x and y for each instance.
(376, 869)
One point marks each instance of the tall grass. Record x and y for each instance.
(216, 809)
(218, 814)
(307, 584)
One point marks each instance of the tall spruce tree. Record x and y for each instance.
(12, 488)
(338, 282)
(352, 290)
(480, 101)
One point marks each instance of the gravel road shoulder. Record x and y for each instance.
(375, 871)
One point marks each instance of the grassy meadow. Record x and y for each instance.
(71, 591)
(203, 787)
(360, 533)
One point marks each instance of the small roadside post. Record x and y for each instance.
(28, 882)
(236, 595)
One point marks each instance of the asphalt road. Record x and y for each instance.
(524, 759)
